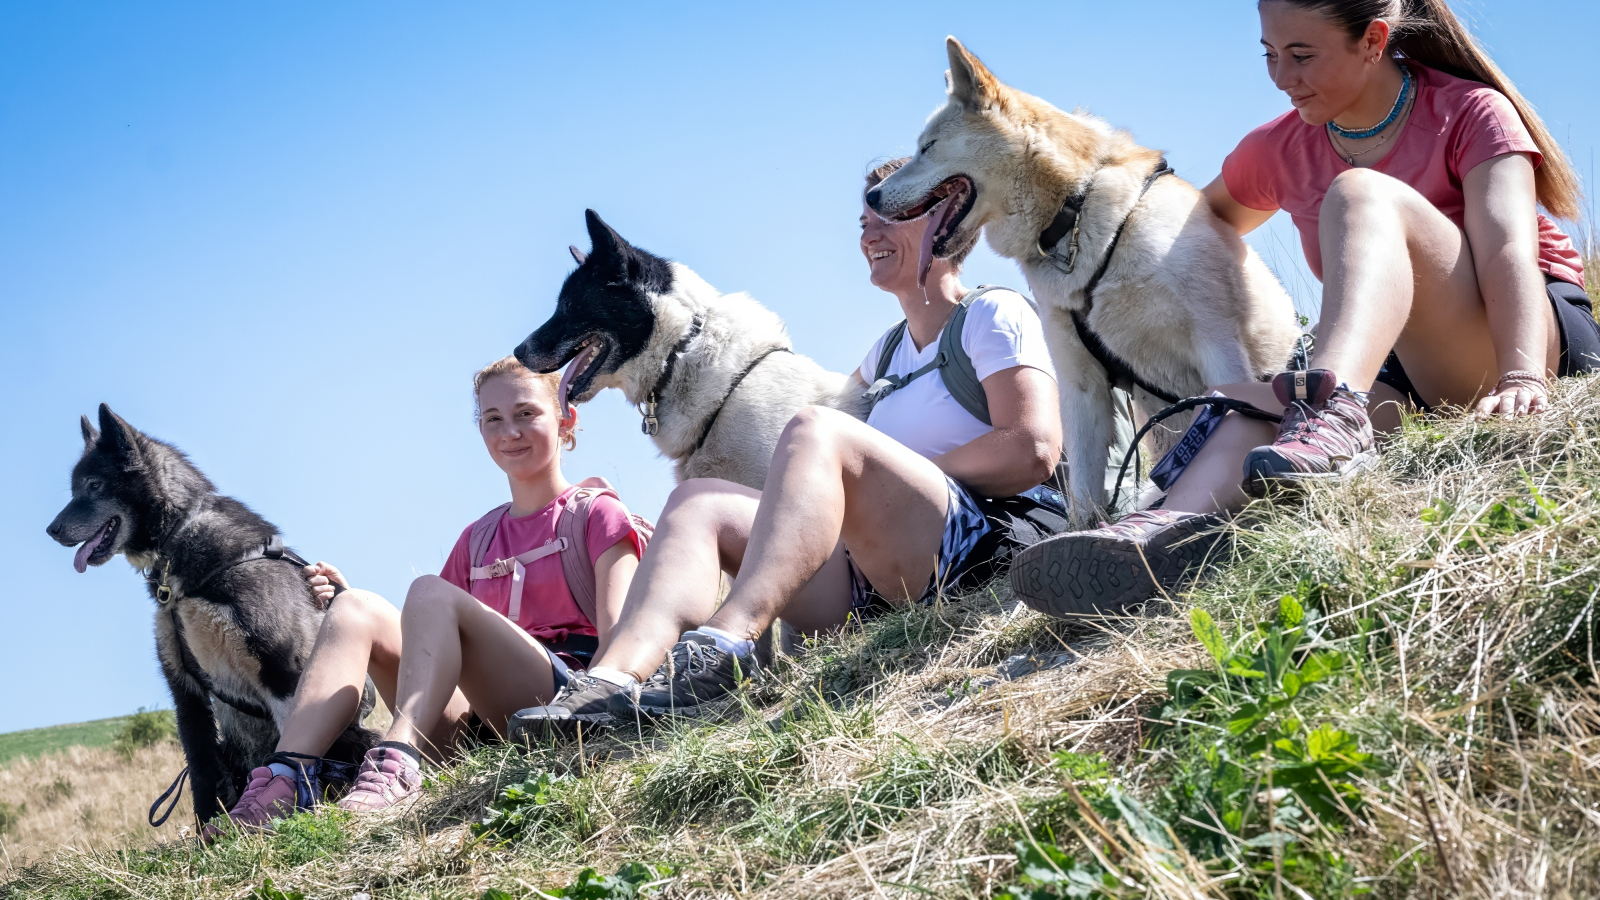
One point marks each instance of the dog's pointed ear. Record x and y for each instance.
(970, 83)
(117, 435)
(606, 245)
(89, 434)
(577, 255)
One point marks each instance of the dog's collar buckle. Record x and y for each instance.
(650, 425)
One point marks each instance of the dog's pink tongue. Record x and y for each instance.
(80, 560)
(573, 368)
(935, 218)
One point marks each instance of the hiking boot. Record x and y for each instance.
(1105, 570)
(386, 777)
(1325, 435)
(697, 671)
(581, 704)
(266, 799)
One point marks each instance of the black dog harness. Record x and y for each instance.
(705, 431)
(1118, 370)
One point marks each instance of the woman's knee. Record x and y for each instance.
(429, 595)
(355, 608)
(1364, 190)
(702, 500)
(815, 428)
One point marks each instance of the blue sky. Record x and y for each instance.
(284, 235)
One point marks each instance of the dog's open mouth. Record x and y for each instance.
(97, 549)
(945, 206)
(582, 369)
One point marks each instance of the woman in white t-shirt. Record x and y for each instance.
(897, 503)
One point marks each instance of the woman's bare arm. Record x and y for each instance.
(613, 572)
(1025, 444)
(1503, 231)
(1243, 218)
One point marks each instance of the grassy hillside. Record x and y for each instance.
(38, 741)
(1388, 690)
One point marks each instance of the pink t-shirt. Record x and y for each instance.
(548, 611)
(1455, 124)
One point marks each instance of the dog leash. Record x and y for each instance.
(177, 785)
(1228, 404)
(651, 425)
(705, 432)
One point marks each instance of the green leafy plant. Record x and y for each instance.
(268, 891)
(1264, 775)
(633, 880)
(309, 835)
(1045, 872)
(521, 808)
(1502, 518)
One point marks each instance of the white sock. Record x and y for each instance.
(281, 769)
(729, 643)
(612, 676)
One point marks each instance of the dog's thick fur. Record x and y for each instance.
(248, 629)
(1184, 300)
(626, 310)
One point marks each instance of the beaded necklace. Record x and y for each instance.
(1399, 104)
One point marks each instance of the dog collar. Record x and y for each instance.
(1067, 221)
(651, 425)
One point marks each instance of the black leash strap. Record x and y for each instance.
(706, 431)
(175, 788)
(1182, 406)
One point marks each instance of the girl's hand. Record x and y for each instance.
(1518, 393)
(322, 577)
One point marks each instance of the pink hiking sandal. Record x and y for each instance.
(387, 776)
(266, 799)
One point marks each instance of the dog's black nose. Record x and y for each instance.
(54, 530)
(873, 197)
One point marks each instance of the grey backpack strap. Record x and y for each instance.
(884, 384)
(960, 378)
(482, 533)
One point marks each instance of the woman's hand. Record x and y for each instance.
(1518, 393)
(322, 577)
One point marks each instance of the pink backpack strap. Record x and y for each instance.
(573, 526)
(483, 533)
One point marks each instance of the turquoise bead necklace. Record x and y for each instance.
(1399, 104)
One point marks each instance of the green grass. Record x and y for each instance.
(39, 741)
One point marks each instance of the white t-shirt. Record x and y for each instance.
(1002, 332)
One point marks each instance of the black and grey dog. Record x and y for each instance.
(235, 620)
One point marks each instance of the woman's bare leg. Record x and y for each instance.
(453, 640)
(833, 477)
(360, 636)
(1397, 273)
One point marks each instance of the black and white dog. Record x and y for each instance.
(235, 620)
(714, 374)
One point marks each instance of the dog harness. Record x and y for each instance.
(1066, 223)
(571, 541)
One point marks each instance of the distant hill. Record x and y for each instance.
(38, 741)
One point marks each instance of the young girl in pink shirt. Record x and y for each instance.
(452, 659)
(1415, 173)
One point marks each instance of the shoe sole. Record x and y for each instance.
(529, 730)
(1261, 481)
(1088, 575)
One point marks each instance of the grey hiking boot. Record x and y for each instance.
(1105, 570)
(1325, 435)
(696, 672)
(582, 703)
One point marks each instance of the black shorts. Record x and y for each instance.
(1580, 340)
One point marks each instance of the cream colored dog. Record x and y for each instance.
(1178, 303)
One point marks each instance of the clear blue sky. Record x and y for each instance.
(284, 235)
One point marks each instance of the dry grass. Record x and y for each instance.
(91, 798)
(907, 758)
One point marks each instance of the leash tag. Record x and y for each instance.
(650, 425)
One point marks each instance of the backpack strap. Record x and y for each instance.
(482, 533)
(952, 362)
(572, 529)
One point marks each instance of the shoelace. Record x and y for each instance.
(697, 658)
